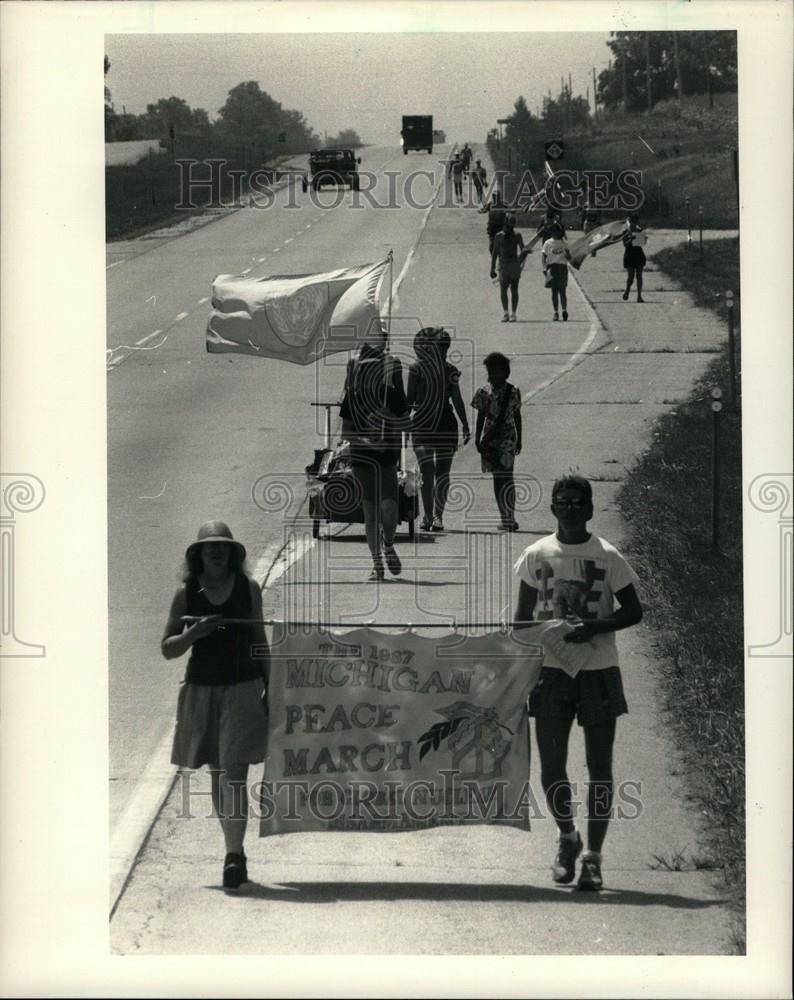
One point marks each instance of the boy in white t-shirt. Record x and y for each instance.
(577, 576)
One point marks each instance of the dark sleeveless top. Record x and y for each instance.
(434, 423)
(224, 656)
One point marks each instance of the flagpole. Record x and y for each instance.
(386, 373)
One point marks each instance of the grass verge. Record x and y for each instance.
(692, 590)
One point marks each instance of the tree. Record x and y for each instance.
(348, 138)
(707, 62)
(250, 115)
(173, 112)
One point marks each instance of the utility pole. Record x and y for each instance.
(624, 54)
(648, 70)
(595, 95)
(678, 82)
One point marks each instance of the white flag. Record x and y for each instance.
(296, 318)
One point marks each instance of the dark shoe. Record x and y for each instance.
(506, 318)
(426, 524)
(625, 296)
(564, 867)
(377, 573)
(590, 877)
(565, 316)
(640, 298)
(508, 526)
(234, 871)
(392, 560)
(556, 317)
(438, 524)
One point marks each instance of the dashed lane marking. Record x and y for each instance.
(180, 316)
(148, 337)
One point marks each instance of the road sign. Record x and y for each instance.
(555, 150)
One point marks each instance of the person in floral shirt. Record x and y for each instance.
(498, 433)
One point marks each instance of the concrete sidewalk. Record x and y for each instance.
(592, 389)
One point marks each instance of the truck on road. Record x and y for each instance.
(417, 132)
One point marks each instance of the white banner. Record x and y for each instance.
(373, 731)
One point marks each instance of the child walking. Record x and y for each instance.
(497, 436)
(555, 257)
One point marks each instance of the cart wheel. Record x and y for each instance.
(410, 528)
(315, 528)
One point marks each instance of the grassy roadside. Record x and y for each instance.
(693, 592)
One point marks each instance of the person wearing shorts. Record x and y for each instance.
(578, 577)
(634, 255)
(508, 249)
(221, 717)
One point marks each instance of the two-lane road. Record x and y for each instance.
(189, 434)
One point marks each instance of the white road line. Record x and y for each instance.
(259, 260)
(308, 226)
(582, 351)
(276, 250)
(158, 778)
(178, 318)
(288, 241)
(395, 298)
(148, 337)
(246, 271)
(114, 264)
(205, 299)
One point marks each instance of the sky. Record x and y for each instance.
(360, 81)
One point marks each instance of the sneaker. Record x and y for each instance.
(508, 526)
(512, 317)
(590, 877)
(506, 318)
(438, 524)
(564, 867)
(392, 560)
(377, 573)
(556, 317)
(640, 298)
(565, 316)
(426, 524)
(625, 296)
(234, 871)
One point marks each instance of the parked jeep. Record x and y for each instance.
(332, 166)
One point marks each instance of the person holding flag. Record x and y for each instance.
(634, 255)
(555, 256)
(551, 218)
(376, 406)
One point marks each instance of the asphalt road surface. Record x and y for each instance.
(190, 433)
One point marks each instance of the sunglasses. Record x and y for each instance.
(577, 503)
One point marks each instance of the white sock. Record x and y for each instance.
(594, 855)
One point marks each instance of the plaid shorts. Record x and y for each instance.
(593, 696)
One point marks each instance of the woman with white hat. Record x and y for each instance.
(221, 719)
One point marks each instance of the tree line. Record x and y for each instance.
(251, 124)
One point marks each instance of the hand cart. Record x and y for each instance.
(332, 488)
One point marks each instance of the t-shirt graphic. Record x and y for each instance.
(577, 580)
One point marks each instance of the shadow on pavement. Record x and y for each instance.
(336, 892)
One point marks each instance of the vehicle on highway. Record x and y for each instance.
(417, 132)
(332, 166)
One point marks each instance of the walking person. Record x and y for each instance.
(465, 155)
(221, 720)
(554, 258)
(479, 179)
(508, 249)
(434, 398)
(634, 255)
(455, 171)
(376, 407)
(552, 218)
(577, 576)
(496, 218)
(497, 435)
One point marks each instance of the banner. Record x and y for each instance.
(298, 317)
(596, 239)
(371, 731)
